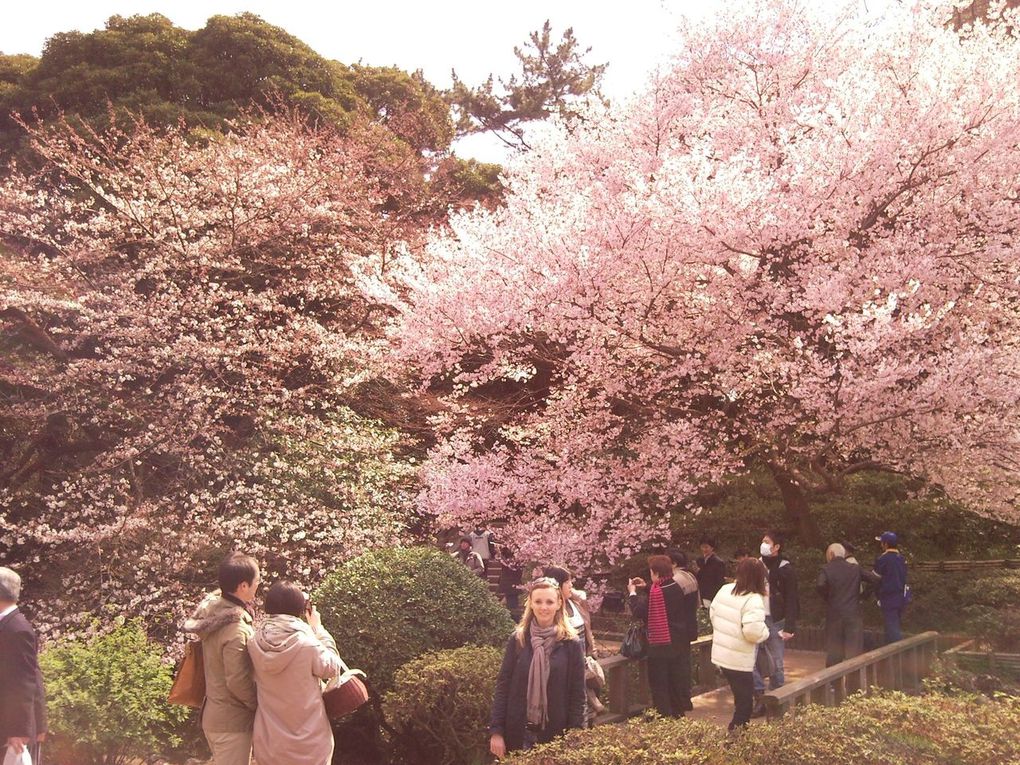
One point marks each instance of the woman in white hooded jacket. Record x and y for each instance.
(738, 625)
(291, 654)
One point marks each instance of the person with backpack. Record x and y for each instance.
(224, 623)
(466, 555)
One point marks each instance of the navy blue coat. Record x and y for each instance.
(565, 692)
(22, 705)
(892, 567)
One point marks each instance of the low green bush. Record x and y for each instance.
(983, 605)
(643, 741)
(386, 608)
(885, 729)
(389, 606)
(106, 698)
(891, 729)
(440, 705)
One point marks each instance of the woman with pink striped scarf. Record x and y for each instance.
(669, 616)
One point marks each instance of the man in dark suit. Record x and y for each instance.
(711, 571)
(22, 705)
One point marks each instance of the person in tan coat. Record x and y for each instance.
(223, 622)
(292, 654)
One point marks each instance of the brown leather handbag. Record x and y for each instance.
(188, 689)
(345, 694)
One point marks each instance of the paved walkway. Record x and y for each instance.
(717, 706)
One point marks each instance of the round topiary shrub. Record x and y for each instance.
(106, 698)
(440, 705)
(389, 606)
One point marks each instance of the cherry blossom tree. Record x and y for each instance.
(185, 342)
(794, 251)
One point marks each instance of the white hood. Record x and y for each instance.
(277, 641)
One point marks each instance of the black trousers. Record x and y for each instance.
(844, 637)
(669, 678)
(742, 685)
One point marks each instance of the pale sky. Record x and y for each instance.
(473, 36)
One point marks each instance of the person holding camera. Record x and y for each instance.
(291, 653)
(670, 616)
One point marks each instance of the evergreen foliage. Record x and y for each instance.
(106, 697)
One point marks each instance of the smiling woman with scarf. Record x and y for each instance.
(670, 616)
(540, 688)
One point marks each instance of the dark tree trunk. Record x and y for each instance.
(797, 509)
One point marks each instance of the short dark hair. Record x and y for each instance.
(777, 537)
(286, 598)
(750, 577)
(850, 549)
(679, 557)
(559, 573)
(236, 569)
(741, 552)
(707, 540)
(661, 565)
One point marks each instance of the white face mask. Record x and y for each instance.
(766, 549)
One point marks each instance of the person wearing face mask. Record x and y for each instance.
(782, 607)
(540, 686)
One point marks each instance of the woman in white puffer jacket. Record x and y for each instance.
(738, 625)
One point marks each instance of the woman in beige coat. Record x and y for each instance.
(738, 625)
(291, 654)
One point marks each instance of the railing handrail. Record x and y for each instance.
(617, 670)
(777, 700)
(961, 565)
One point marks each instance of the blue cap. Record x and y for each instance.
(889, 537)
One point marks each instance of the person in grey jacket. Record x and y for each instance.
(839, 585)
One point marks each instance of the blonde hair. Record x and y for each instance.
(563, 629)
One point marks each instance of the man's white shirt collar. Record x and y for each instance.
(7, 610)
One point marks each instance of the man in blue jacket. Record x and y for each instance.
(892, 567)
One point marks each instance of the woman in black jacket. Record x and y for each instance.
(540, 688)
(671, 618)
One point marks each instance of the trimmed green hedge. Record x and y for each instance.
(886, 729)
(386, 607)
(440, 704)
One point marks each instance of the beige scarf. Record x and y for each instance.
(543, 640)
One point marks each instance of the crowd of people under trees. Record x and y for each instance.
(752, 618)
(264, 675)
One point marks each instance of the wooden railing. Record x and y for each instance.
(628, 680)
(964, 565)
(897, 666)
